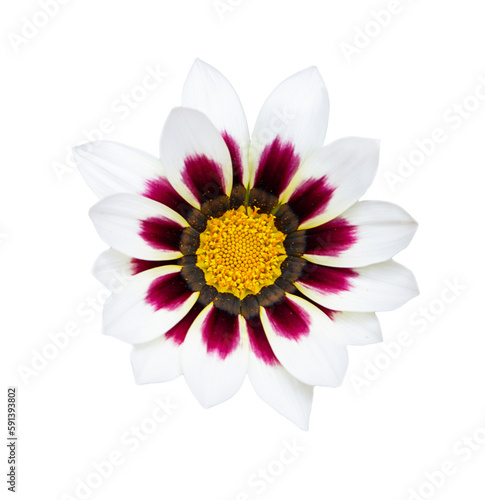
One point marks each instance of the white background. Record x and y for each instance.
(369, 439)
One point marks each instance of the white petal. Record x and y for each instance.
(113, 269)
(120, 220)
(379, 287)
(355, 328)
(208, 91)
(195, 156)
(110, 168)
(160, 359)
(153, 302)
(375, 230)
(156, 361)
(296, 114)
(213, 371)
(273, 384)
(332, 180)
(283, 392)
(296, 332)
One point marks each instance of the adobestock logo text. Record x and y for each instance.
(364, 34)
(120, 109)
(30, 26)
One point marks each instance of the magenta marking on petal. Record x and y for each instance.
(178, 333)
(161, 233)
(220, 332)
(259, 342)
(168, 292)
(277, 166)
(327, 280)
(289, 319)
(331, 238)
(140, 265)
(162, 191)
(203, 177)
(311, 198)
(236, 158)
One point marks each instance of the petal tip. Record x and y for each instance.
(313, 72)
(89, 147)
(94, 212)
(79, 153)
(137, 374)
(304, 425)
(372, 143)
(200, 64)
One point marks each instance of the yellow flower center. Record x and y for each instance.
(241, 252)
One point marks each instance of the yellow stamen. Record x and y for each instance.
(241, 252)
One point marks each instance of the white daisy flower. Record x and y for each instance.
(246, 255)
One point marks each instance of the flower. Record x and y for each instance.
(246, 256)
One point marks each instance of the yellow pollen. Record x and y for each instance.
(241, 252)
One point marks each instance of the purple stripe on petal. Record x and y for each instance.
(168, 292)
(203, 177)
(332, 238)
(327, 280)
(277, 166)
(236, 158)
(289, 319)
(220, 332)
(259, 342)
(140, 265)
(311, 198)
(178, 333)
(161, 233)
(162, 191)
